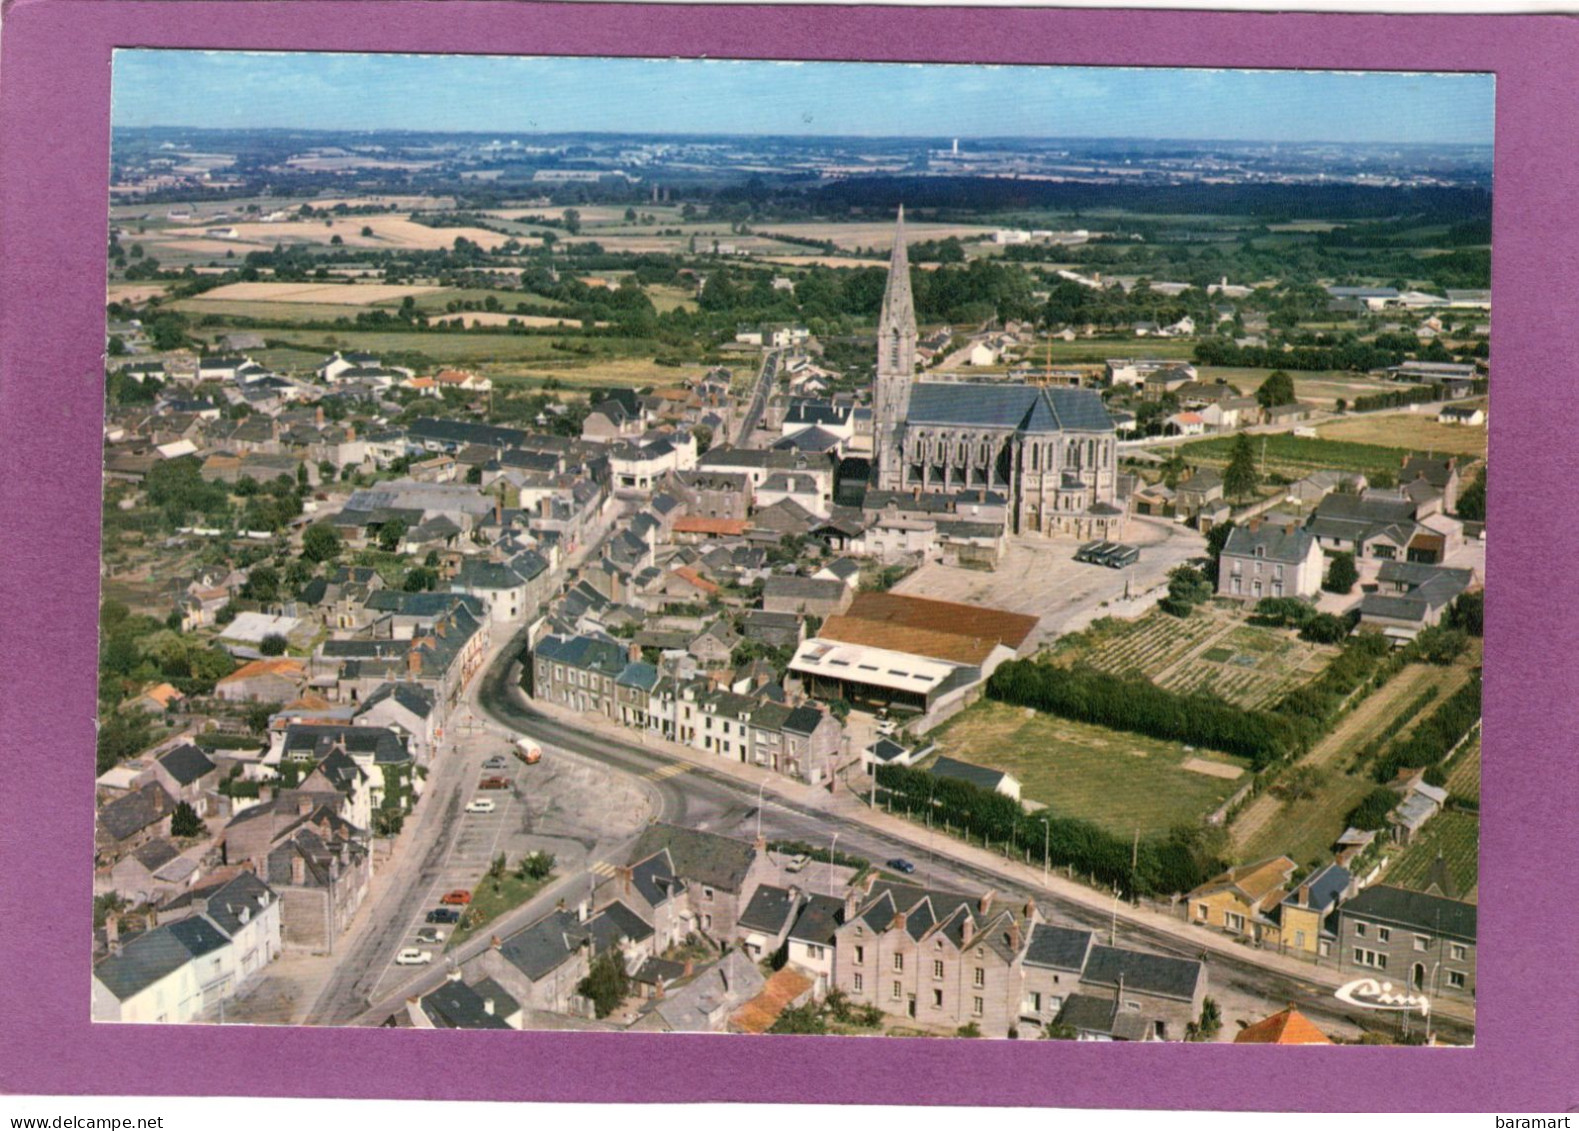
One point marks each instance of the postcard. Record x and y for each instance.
(975, 557)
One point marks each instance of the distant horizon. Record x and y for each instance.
(942, 138)
(491, 94)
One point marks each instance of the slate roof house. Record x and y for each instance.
(1414, 939)
(1266, 560)
(947, 959)
(1410, 597)
(207, 946)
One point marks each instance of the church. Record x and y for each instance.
(1051, 453)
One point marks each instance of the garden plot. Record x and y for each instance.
(1456, 836)
(1142, 648)
(1251, 667)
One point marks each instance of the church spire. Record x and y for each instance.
(899, 308)
(896, 362)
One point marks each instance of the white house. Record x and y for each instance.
(185, 968)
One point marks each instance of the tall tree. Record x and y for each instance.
(1240, 477)
(1277, 389)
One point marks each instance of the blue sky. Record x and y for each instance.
(503, 94)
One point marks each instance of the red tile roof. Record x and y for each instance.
(1288, 1027)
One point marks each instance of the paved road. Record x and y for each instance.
(703, 798)
(767, 377)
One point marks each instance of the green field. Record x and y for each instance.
(1457, 837)
(1121, 782)
(534, 351)
(1298, 456)
(1463, 776)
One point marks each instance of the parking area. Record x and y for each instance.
(1040, 577)
(569, 808)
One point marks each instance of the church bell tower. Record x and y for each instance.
(896, 366)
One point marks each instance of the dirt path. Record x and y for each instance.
(1353, 731)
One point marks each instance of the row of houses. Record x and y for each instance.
(935, 959)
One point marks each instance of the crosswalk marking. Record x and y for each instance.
(672, 770)
(602, 868)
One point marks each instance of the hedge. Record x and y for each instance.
(1161, 866)
(1087, 695)
(1435, 736)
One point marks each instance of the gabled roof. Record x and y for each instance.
(1286, 1027)
(186, 763)
(1430, 914)
(979, 776)
(770, 910)
(414, 697)
(1142, 972)
(156, 954)
(699, 857)
(1273, 543)
(1022, 408)
(455, 1005)
(818, 920)
(129, 815)
(1058, 948)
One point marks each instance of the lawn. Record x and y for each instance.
(1121, 782)
(1457, 837)
(1298, 456)
(1305, 830)
(491, 900)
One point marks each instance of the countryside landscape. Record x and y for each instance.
(907, 579)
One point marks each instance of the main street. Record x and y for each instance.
(701, 797)
(767, 377)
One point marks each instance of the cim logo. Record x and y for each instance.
(1368, 993)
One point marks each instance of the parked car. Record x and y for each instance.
(480, 805)
(430, 935)
(887, 728)
(494, 763)
(458, 896)
(444, 915)
(900, 864)
(798, 863)
(413, 956)
(494, 783)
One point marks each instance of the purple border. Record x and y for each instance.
(54, 144)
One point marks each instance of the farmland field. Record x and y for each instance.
(1298, 456)
(1463, 776)
(475, 349)
(340, 294)
(1457, 837)
(1209, 651)
(1305, 829)
(1121, 782)
(1321, 387)
(393, 232)
(1418, 430)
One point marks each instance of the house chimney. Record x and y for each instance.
(690, 967)
(1255, 524)
(634, 651)
(984, 904)
(1032, 912)
(495, 942)
(414, 663)
(898, 923)
(967, 931)
(298, 871)
(112, 933)
(1304, 895)
(625, 874)
(487, 1004)
(1014, 935)
(498, 510)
